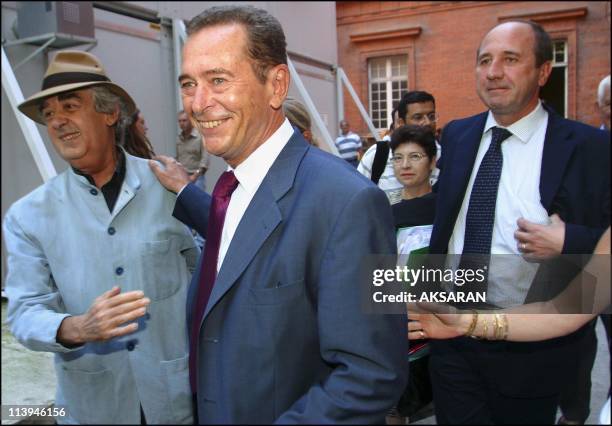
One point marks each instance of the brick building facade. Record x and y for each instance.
(388, 47)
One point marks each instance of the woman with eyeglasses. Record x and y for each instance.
(414, 159)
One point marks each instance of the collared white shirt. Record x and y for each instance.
(518, 196)
(250, 173)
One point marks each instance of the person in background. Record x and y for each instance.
(135, 140)
(348, 144)
(414, 159)
(603, 102)
(387, 133)
(97, 266)
(298, 116)
(416, 108)
(190, 151)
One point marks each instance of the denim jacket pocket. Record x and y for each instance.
(161, 268)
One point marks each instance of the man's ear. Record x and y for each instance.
(279, 79)
(545, 71)
(111, 118)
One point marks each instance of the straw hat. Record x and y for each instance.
(71, 70)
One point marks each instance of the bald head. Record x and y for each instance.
(508, 77)
(541, 42)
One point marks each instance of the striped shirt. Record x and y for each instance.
(348, 145)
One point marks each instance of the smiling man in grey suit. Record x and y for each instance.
(282, 337)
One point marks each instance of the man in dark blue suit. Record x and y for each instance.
(549, 179)
(282, 336)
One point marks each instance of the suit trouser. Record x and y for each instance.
(575, 400)
(483, 382)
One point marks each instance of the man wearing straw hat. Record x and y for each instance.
(97, 266)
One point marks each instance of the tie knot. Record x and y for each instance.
(226, 184)
(499, 135)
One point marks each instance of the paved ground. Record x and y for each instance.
(29, 378)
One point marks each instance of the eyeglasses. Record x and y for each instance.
(413, 157)
(420, 118)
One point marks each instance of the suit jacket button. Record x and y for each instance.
(93, 192)
(130, 346)
(111, 231)
(119, 270)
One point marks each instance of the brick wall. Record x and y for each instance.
(441, 38)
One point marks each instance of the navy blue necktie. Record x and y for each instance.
(481, 215)
(481, 210)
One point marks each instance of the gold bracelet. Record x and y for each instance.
(470, 330)
(485, 326)
(495, 327)
(505, 336)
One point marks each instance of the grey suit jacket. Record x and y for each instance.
(284, 337)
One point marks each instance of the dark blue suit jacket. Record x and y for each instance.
(575, 183)
(284, 336)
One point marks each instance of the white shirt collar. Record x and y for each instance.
(524, 128)
(251, 172)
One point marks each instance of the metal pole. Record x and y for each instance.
(28, 128)
(36, 52)
(178, 37)
(362, 110)
(311, 108)
(339, 96)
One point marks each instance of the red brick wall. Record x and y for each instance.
(442, 55)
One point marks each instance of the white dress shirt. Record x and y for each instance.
(518, 196)
(250, 173)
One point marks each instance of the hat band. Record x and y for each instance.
(70, 78)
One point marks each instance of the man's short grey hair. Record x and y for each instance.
(106, 102)
(605, 82)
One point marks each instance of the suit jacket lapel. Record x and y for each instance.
(558, 149)
(466, 150)
(260, 219)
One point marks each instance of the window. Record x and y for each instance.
(554, 91)
(388, 80)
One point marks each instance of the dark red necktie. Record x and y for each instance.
(221, 196)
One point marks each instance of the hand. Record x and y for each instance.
(193, 177)
(438, 322)
(173, 176)
(105, 318)
(540, 242)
